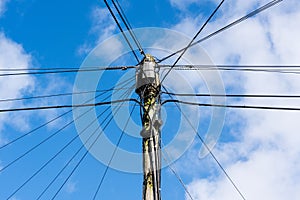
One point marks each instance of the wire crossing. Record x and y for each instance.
(43, 72)
(89, 148)
(206, 146)
(233, 106)
(113, 154)
(128, 26)
(234, 95)
(127, 98)
(251, 14)
(191, 42)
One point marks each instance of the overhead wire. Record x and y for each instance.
(67, 164)
(42, 142)
(125, 82)
(113, 154)
(233, 106)
(53, 157)
(115, 102)
(67, 71)
(174, 171)
(206, 146)
(128, 26)
(242, 68)
(233, 95)
(76, 153)
(122, 31)
(60, 151)
(64, 68)
(69, 106)
(86, 153)
(191, 42)
(34, 130)
(251, 14)
(208, 66)
(61, 94)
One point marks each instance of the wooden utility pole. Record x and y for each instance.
(148, 88)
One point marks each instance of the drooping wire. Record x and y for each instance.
(113, 154)
(206, 146)
(53, 157)
(45, 140)
(267, 68)
(69, 106)
(64, 68)
(233, 106)
(251, 14)
(74, 155)
(87, 151)
(60, 151)
(42, 142)
(191, 42)
(41, 126)
(233, 95)
(80, 161)
(61, 94)
(174, 171)
(77, 152)
(121, 29)
(67, 71)
(128, 26)
(124, 83)
(209, 66)
(35, 129)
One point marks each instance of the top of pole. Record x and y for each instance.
(147, 74)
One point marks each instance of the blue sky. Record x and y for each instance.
(259, 149)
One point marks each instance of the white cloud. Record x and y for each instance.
(264, 159)
(12, 56)
(3, 6)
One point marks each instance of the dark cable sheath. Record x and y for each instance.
(113, 154)
(59, 95)
(139, 44)
(53, 157)
(50, 160)
(207, 148)
(76, 153)
(209, 66)
(253, 13)
(128, 27)
(281, 71)
(232, 106)
(167, 159)
(67, 71)
(86, 153)
(233, 95)
(69, 106)
(35, 129)
(42, 142)
(65, 68)
(125, 82)
(124, 35)
(191, 42)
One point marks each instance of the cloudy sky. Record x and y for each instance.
(259, 149)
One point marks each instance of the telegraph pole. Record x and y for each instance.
(148, 88)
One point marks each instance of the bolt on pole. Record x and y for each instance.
(148, 88)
